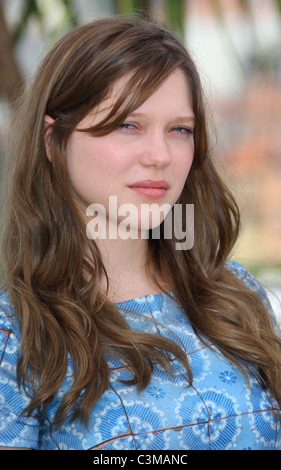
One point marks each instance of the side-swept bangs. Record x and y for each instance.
(100, 56)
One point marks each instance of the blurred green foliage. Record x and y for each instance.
(32, 9)
(173, 12)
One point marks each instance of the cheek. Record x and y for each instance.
(87, 161)
(184, 166)
(182, 171)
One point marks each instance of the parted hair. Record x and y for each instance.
(53, 271)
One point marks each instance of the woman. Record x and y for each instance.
(124, 341)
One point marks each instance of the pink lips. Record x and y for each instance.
(151, 189)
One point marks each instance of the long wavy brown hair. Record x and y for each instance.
(54, 271)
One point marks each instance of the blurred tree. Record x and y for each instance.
(10, 75)
(279, 4)
(30, 9)
(35, 9)
(175, 15)
(124, 7)
(172, 13)
(173, 10)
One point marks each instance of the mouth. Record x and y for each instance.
(151, 189)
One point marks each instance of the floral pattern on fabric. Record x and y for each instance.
(218, 411)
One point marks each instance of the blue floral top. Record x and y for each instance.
(219, 411)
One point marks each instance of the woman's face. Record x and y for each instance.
(143, 163)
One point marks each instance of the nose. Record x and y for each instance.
(155, 151)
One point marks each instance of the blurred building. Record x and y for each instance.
(237, 46)
(238, 52)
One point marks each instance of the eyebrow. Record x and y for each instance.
(177, 118)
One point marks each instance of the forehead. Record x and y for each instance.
(173, 92)
(122, 86)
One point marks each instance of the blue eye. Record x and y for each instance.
(126, 125)
(182, 130)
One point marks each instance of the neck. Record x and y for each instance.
(127, 265)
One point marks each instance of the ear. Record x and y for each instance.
(48, 123)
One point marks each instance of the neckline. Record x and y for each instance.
(146, 298)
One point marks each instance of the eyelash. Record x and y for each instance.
(179, 129)
(126, 125)
(183, 130)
